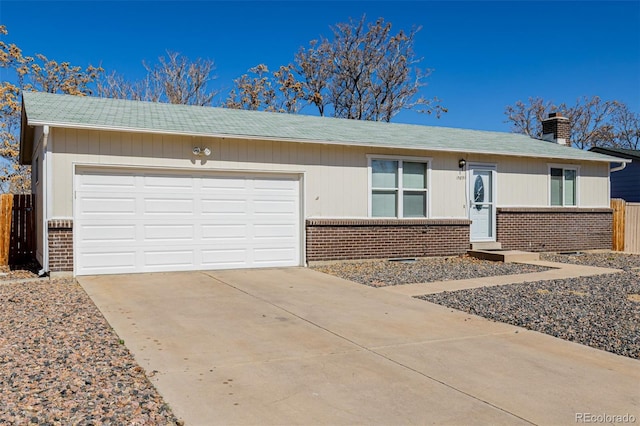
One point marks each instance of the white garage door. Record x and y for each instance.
(156, 221)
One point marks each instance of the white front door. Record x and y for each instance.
(152, 221)
(482, 212)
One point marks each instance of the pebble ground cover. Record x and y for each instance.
(380, 273)
(62, 364)
(601, 311)
(624, 261)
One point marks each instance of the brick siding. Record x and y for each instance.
(60, 245)
(531, 229)
(344, 239)
(554, 229)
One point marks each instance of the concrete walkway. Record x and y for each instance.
(295, 346)
(560, 271)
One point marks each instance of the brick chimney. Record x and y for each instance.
(556, 129)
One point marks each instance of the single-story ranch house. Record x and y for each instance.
(127, 186)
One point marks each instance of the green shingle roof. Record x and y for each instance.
(114, 114)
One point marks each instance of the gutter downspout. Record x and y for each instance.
(45, 222)
(617, 169)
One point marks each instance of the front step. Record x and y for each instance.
(505, 256)
(486, 245)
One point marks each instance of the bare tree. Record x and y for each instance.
(33, 73)
(257, 92)
(591, 121)
(290, 90)
(48, 75)
(364, 72)
(253, 93)
(314, 68)
(115, 86)
(594, 122)
(13, 176)
(626, 125)
(173, 79)
(527, 118)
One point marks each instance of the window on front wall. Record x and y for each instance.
(398, 188)
(563, 186)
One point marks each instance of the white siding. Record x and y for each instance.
(448, 195)
(524, 182)
(594, 185)
(336, 183)
(323, 196)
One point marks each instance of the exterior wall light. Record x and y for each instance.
(199, 152)
(461, 163)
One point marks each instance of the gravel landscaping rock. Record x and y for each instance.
(61, 363)
(627, 262)
(19, 272)
(380, 273)
(600, 311)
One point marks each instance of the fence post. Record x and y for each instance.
(618, 206)
(6, 212)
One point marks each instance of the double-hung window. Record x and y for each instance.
(399, 187)
(563, 186)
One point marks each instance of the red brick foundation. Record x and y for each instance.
(60, 245)
(554, 228)
(342, 239)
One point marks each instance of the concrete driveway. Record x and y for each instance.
(294, 346)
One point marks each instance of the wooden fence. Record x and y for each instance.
(17, 229)
(6, 206)
(626, 226)
(632, 228)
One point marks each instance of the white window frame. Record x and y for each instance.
(399, 207)
(564, 167)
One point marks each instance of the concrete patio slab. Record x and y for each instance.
(295, 346)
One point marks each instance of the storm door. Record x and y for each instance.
(482, 209)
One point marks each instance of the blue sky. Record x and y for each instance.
(485, 55)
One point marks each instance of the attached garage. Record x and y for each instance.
(151, 221)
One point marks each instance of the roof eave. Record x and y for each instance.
(619, 155)
(27, 134)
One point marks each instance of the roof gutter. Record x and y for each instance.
(622, 165)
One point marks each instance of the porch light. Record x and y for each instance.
(461, 163)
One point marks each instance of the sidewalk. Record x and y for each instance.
(560, 271)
